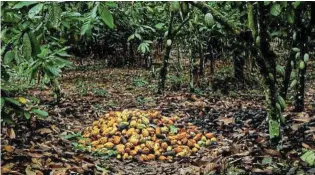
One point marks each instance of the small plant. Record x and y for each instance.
(100, 92)
(139, 82)
(81, 87)
(18, 107)
(176, 82)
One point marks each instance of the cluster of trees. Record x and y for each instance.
(38, 37)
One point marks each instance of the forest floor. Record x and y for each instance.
(44, 146)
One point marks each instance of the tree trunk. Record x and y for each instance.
(239, 63)
(270, 74)
(202, 61)
(302, 41)
(288, 69)
(166, 56)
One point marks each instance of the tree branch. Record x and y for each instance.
(205, 8)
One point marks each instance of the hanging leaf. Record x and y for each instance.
(40, 113)
(35, 10)
(54, 15)
(275, 9)
(291, 16)
(106, 16)
(296, 4)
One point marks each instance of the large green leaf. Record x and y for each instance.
(12, 101)
(54, 15)
(40, 113)
(35, 10)
(106, 16)
(24, 4)
(275, 9)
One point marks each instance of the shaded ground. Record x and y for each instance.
(44, 146)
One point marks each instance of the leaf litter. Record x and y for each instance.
(49, 146)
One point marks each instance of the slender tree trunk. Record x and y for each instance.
(302, 41)
(270, 76)
(288, 69)
(239, 66)
(168, 48)
(202, 61)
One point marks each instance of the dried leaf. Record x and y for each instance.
(7, 168)
(8, 148)
(272, 152)
(12, 134)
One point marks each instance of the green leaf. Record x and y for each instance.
(280, 70)
(290, 16)
(54, 15)
(35, 10)
(111, 4)
(106, 16)
(267, 2)
(24, 4)
(131, 37)
(274, 128)
(309, 157)
(8, 57)
(40, 113)
(27, 115)
(12, 101)
(296, 4)
(275, 9)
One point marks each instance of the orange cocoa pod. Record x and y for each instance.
(209, 135)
